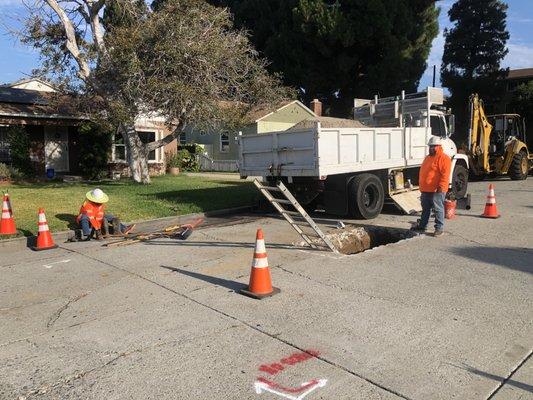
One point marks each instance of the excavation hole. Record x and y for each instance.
(353, 240)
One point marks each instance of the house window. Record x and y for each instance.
(224, 142)
(183, 139)
(119, 148)
(5, 153)
(147, 137)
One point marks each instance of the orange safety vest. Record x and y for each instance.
(94, 211)
(435, 172)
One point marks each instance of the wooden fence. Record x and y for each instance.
(208, 164)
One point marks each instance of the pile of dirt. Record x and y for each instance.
(328, 122)
(353, 240)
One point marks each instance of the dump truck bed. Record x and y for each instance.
(318, 151)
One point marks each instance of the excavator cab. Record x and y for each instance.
(505, 127)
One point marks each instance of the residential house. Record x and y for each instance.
(221, 148)
(52, 124)
(515, 77)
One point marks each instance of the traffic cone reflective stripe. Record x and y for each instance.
(260, 285)
(490, 206)
(7, 223)
(43, 225)
(44, 237)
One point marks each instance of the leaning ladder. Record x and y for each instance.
(305, 222)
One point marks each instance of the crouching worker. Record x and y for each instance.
(93, 220)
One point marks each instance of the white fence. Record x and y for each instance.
(208, 164)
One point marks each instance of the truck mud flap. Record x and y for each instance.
(408, 202)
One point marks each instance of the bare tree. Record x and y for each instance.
(184, 62)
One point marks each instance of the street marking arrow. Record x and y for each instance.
(263, 386)
(57, 262)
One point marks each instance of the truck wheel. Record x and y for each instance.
(459, 181)
(519, 167)
(365, 196)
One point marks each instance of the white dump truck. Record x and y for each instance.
(351, 168)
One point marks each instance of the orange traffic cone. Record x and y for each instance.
(7, 223)
(44, 237)
(260, 282)
(490, 206)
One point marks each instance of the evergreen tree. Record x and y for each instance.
(338, 50)
(119, 13)
(473, 51)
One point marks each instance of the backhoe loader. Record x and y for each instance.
(497, 143)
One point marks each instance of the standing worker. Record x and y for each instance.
(92, 217)
(433, 183)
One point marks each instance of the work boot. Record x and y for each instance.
(438, 232)
(418, 228)
(99, 235)
(105, 228)
(78, 237)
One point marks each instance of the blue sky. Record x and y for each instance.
(520, 44)
(17, 61)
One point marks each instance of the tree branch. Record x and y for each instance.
(96, 25)
(72, 44)
(167, 139)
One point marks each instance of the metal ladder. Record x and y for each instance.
(305, 222)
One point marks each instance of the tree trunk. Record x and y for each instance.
(137, 155)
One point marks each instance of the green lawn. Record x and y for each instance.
(166, 196)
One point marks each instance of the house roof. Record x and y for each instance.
(21, 96)
(22, 103)
(520, 73)
(260, 114)
(40, 81)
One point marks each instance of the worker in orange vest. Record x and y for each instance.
(433, 181)
(93, 219)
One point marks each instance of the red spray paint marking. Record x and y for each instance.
(274, 368)
(274, 385)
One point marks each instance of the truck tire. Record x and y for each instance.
(519, 167)
(459, 181)
(365, 196)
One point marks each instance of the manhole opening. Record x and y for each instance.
(353, 240)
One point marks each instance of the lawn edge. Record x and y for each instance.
(24, 242)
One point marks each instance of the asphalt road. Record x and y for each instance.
(424, 318)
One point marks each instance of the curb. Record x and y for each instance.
(62, 236)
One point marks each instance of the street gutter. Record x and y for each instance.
(62, 236)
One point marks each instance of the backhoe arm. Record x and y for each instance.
(479, 135)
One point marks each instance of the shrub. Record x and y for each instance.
(19, 143)
(9, 173)
(187, 161)
(95, 144)
(172, 160)
(191, 148)
(5, 173)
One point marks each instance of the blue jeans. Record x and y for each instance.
(431, 200)
(86, 226)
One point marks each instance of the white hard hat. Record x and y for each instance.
(435, 141)
(97, 196)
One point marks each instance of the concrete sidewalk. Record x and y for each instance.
(424, 318)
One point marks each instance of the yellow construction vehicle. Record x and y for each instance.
(497, 143)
